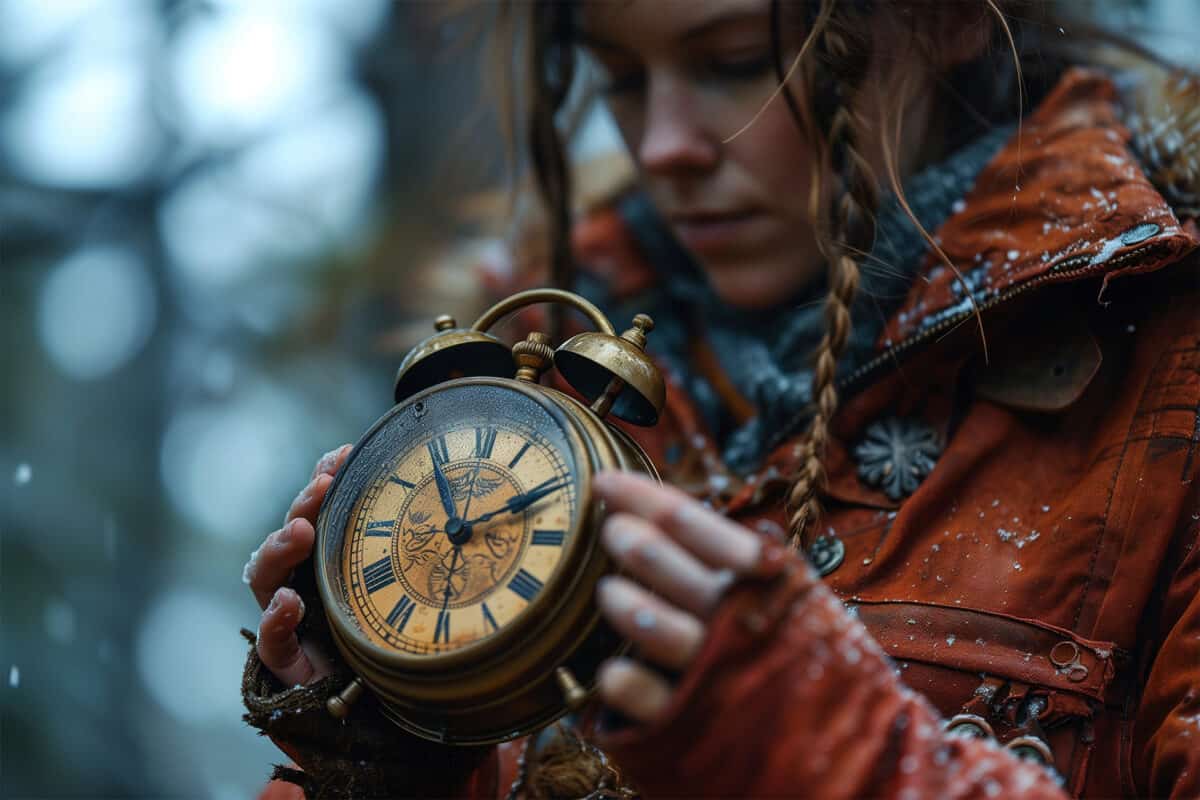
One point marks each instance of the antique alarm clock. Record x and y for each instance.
(457, 550)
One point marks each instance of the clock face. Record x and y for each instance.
(458, 530)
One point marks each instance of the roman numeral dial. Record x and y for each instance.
(461, 533)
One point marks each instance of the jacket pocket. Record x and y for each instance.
(1015, 649)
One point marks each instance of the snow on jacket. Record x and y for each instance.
(1037, 582)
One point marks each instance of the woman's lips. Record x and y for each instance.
(701, 231)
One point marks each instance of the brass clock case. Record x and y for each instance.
(406, 573)
(508, 683)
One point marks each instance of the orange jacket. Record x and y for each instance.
(1042, 577)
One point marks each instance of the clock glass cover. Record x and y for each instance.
(459, 529)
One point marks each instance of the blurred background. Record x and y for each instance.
(221, 226)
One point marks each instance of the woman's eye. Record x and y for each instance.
(742, 68)
(628, 82)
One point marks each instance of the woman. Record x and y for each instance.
(991, 463)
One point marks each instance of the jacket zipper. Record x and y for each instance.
(1076, 266)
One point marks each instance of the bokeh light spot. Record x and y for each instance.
(223, 464)
(96, 311)
(59, 621)
(84, 124)
(189, 656)
(237, 70)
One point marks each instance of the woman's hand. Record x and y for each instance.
(678, 558)
(270, 567)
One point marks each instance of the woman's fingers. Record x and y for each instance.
(633, 689)
(710, 537)
(271, 565)
(644, 553)
(332, 461)
(662, 633)
(279, 649)
(308, 502)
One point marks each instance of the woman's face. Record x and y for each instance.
(683, 76)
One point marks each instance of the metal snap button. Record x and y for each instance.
(826, 554)
(1139, 234)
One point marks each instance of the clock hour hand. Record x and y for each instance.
(523, 501)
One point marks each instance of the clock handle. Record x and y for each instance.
(339, 704)
(575, 695)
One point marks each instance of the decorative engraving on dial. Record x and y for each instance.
(429, 567)
(459, 535)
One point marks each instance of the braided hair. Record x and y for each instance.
(833, 65)
(843, 219)
(844, 194)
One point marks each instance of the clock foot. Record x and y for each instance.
(339, 704)
(575, 695)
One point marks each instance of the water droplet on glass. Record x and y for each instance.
(23, 475)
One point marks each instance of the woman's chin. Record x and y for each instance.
(752, 288)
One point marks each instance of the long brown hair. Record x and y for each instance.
(1017, 65)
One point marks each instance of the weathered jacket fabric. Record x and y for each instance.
(1044, 576)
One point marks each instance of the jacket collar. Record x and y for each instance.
(1065, 199)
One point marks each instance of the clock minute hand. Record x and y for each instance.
(522, 501)
(443, 486)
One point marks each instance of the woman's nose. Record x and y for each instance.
(675, 138)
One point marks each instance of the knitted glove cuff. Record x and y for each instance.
(364, 755)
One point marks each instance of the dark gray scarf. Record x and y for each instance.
(767, 352)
